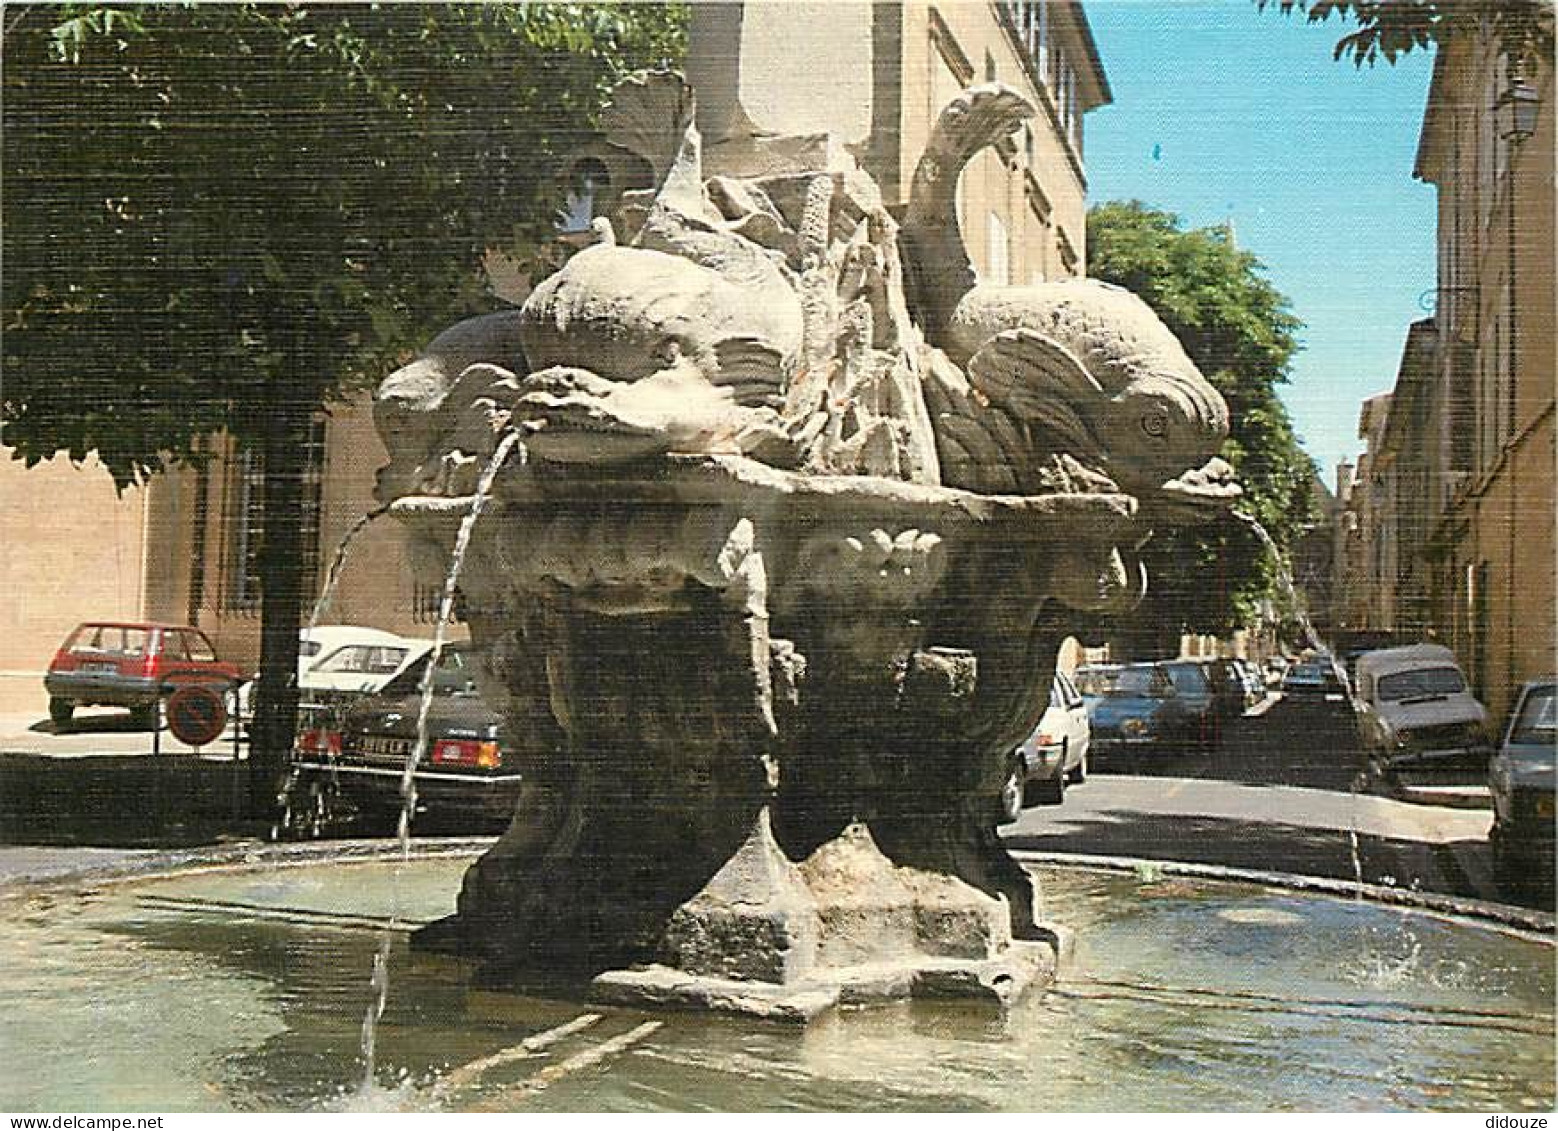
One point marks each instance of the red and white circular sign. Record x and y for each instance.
(196, 715)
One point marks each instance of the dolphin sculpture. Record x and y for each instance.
(1073, 367)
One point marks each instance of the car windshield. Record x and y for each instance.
(115, 638)
(453, 676)
(1419, 684)
(1138, 681)
(362, 659)
(1188, 678)
(1538, 720)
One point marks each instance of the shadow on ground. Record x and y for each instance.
(122, 801)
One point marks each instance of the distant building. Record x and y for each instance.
(1454, 501)
(874, 75)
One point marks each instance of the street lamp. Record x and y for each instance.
(1515, 111)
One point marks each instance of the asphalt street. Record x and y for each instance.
(1283, 794)
(1279, 795)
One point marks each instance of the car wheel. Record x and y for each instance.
(61, 711)
(1011, 799)
(1079, 774)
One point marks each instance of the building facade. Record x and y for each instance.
(1455, 498)
(875, 76)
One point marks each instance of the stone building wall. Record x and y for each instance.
(71, 549)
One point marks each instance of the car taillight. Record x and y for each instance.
(63, 661)
(1046, 739)
(467, 752)
(320, 741)
(149, 666)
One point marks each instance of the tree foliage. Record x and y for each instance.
(1389, 29)
(219, 216)
(1239, 330)
(205, 201)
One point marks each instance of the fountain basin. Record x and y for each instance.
(243, 987)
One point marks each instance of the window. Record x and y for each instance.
(990, 75)
(1425, 684)
(997, 251)
(363, 659)
(174, 647)
(109, 638)
(1041, 45)
(247, 519)
(199, 648)
(1537, 724)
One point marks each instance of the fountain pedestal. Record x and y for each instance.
(762, 730)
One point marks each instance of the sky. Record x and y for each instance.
(1222, 112)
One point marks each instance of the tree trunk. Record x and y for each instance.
(282, 584)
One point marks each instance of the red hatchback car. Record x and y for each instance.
(124, 664)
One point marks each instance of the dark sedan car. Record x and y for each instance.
(462, 773)
(1139, 712)
(1196, 684)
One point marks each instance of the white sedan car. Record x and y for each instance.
(336, 659)
(1054, 755)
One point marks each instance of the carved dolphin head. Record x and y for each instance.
(635, 351)
(1092, 372)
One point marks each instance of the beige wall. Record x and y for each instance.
(1494, 552)
(70, 550)
(1042, 202)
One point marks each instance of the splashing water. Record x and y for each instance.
(287, 817)
(408, 789)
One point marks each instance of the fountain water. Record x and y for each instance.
(408, 788)
(287, 819)
(1300, 610)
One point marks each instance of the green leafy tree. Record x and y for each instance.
(217, 217)
(1389, 29)
(1238, 329)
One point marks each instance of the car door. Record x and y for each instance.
(1076, 713)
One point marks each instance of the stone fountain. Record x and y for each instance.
(806, 514)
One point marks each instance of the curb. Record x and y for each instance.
(1528, 922)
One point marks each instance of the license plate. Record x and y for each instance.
(372, 744)
(108, 668)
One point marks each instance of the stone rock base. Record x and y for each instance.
(999, 982)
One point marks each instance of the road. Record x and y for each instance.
(1278, 796)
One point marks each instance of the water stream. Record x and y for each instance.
(408, 787)
(287, 817)
(1319, 644)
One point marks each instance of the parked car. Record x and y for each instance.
(1521, 778)
(462, 773)
(1052, 757)
(1414, 708)
(1274, 669)
(1312, 679)
(1254, 682)
(1093, 681)
(1196, 683)
(125, 664)
(1141, 711)
(1229, 694)
(337, 662)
